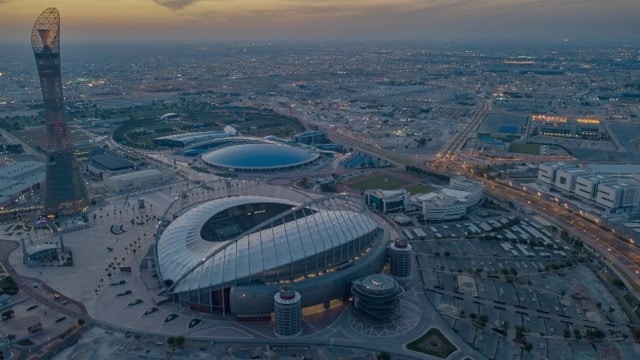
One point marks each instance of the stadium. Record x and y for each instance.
(231, 255)
(257, 155)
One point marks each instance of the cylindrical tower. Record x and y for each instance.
(65, 191)
(377, 297)
(400, 253)
(287, 305)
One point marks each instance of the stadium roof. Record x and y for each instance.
(186, 139)
(193, 263)
(261, 156)
(136, 175)
(111, 162)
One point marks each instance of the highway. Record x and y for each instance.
(623, 255)
(461, 137)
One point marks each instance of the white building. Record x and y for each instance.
(566, 178)
(138, 180)
(619, 197)
(547, 172)
(587, 185)
(471, 187)
(610, 188)
(450, 203)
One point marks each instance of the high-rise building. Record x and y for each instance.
(65, 192)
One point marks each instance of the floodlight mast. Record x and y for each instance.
(65, 192)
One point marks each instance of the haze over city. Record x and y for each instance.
(273, 20)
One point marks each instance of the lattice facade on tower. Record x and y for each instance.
(400, 259)
(287, 305)
(377, 297)
(65, 191)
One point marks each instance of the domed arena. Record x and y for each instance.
(232, 254)
(258, 156)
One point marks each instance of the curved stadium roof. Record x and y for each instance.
(195, 263)
(259, 156)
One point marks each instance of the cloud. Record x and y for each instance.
(171, 4)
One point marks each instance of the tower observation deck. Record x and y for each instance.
(65, 192)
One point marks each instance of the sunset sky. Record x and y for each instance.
(271, 20)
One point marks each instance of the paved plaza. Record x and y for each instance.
(112, 278)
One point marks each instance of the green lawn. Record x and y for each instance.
(533, 149)
(379, 182)
(421, 189)
(433, 342)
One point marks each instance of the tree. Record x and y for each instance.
(482, 320)
(384, 356)
(180, 340)
(171, 340)
(7, 314)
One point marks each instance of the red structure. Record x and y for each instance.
(65, 192)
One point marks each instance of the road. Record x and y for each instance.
(623, 255)
(43, 294)
(461, 137)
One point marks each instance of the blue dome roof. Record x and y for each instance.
(262, 156)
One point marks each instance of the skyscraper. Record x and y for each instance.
(65, 192)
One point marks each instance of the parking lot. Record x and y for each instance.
(493, 279)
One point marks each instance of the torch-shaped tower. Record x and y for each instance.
(65, 192)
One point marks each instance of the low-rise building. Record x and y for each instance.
(19, 178)
(138, 180)
(547, 172)
(387, 201)
(450, 203)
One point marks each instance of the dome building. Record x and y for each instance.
(232, 254)
(258, 155)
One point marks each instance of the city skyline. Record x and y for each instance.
(215, 20)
